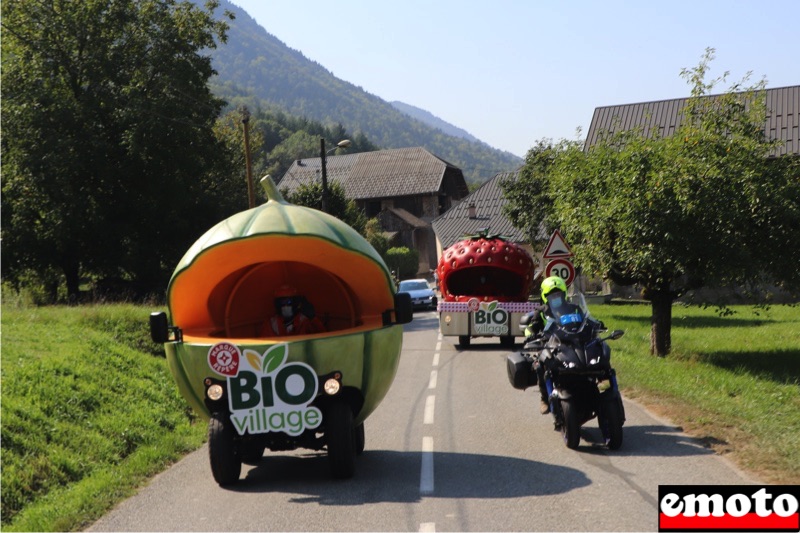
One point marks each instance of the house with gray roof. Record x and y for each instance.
(405, 188)
(663, 118)
(483, 208)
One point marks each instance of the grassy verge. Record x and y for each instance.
(733, 382)
(89, 412)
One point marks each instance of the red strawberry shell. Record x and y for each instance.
(485, 267)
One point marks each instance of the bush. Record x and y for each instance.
(403, 262)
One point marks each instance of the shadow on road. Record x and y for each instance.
(423, 320)
(645, 441)
(392, 476)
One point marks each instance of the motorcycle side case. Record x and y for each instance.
(521, 374)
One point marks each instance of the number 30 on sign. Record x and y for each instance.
(562, 268)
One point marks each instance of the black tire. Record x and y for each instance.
(571, 430)
(360, 438)
(507, 341)
(226, 465)
(463, 341)
(613, 419)
(340, 437)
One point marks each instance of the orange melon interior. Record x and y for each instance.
(228, 289)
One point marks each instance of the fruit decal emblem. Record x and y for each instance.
(487, 267)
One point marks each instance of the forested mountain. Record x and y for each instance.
(255, 67)
(432, 120)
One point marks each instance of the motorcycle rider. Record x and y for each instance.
(294, 315)
(554, 294)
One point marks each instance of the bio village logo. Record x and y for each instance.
(265, 393)
(488, 318)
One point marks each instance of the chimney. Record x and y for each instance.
(472, 210)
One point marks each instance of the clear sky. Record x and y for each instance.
(511, 72)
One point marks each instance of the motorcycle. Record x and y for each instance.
(576, 360)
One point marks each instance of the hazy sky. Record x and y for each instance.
(511, 72)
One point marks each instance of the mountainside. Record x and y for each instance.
(256, 63)
(432, 120)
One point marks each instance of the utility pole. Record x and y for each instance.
(324, 175)
(251, 193)
(322, 155)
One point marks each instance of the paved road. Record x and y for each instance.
(452, 448)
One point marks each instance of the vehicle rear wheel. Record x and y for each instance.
(611, 423)
(571, 430)
(340, 437)
(225, 463)
(463, 341)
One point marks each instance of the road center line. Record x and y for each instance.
(439, 346)
(432, 382)
(430, 402)
(436, 359)
(426, 472)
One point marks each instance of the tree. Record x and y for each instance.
(374, 234)
(108, 148)
(338, 205)
(703, 207)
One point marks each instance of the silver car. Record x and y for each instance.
(422, 296)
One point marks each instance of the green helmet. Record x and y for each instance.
(553, 283)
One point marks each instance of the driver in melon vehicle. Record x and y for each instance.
(294, 315)
(554, 295)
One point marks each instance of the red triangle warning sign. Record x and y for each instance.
(557, 247)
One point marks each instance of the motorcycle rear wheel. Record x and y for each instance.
(571, 429)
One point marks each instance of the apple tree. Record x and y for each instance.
(705, 207)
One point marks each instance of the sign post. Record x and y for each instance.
(562, 268)
(559, 252)
(557, 247)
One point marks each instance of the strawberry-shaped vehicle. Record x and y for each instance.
(263, 389)
(484, 281)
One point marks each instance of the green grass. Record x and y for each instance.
(732, 381)
(89, 412)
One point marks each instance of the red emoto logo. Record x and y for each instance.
(223, 358)
(728, 508)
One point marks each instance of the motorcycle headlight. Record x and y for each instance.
(214, 392)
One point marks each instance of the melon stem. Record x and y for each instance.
(272, 190)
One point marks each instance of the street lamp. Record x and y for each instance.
(322, 153)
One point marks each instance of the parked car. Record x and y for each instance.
(422, 296)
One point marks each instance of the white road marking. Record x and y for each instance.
(436, 359)
(439, 346)
(429, 405)
(426, 473)
(432, 382)
(427, 527)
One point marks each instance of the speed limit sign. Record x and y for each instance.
(562, 268)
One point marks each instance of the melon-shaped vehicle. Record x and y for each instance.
(484, 280)
(282, 392)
